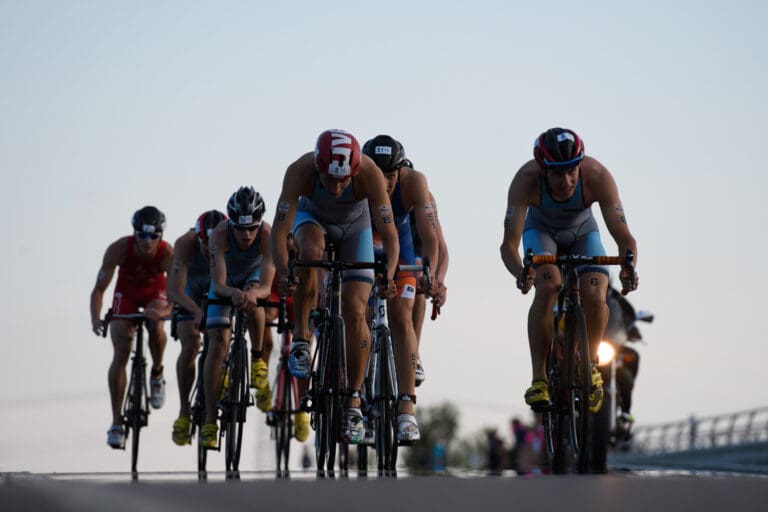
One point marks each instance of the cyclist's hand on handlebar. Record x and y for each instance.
(527, 283)
(629, 280)
(428, 285)
(286, 286)
(440, 294)
(387, 289)
(97, 325)
(152, 314)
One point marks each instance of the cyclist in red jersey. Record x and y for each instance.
(144, 260)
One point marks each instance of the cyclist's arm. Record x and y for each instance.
(375, 190)
(424, 215)
(217, 247)
(298, 177)
(607, 196)
(518, 198)
(183, 253)
(441, 269)
(112, 258)
(267, 270)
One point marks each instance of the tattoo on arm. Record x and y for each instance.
(511, 214)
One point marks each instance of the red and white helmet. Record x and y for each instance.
(337, 153)
(205, 224)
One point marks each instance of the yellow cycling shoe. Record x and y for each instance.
(181, 435)
(259, 374)
(596, 396)
(209, 435)
(264, 399)
(301, 426)
(537, 396)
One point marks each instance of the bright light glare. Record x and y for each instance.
(605, 353)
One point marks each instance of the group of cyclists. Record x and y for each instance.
(363, 199)
(366, 200)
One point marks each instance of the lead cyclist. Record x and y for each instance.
(549, 208)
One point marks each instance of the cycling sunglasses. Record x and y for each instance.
(241, 228)
(147, 236)
(563, 166)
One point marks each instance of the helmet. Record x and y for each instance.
(206, 222)
(388, 153)
(245, 206)
(407, 163)
(558, 148)
(337, 153)
(148, 220)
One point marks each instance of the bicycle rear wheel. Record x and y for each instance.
(236, 403)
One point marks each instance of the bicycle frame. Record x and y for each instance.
(328, 381)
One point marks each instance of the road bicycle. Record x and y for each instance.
(568, 422)
(235, 395)
(380, 390)
(136, 403)
(328, 380)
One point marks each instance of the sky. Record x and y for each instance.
(109, 106)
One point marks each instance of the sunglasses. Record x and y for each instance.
(252, 227)
(147, 236)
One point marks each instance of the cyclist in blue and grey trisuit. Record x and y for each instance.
(242, 270)
(334, 190)
(548, 207)
(188, 283)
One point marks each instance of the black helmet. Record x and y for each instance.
(388, 153)
(148, 220)
(558, 148)
(246, 206)
(206, 222)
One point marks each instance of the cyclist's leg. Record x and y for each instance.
(594, 288)
(218, 346)
(157, 337)
(189, 338)
(310, 240)
(547, 286)
(404, 340)
(121, 332)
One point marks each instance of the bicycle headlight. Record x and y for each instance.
(605, 353)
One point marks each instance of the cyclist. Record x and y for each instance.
(408, 191)
(333, 191)
(439, 271)
(549, 207)
(188, 283)
(242, 270)
(144, 259)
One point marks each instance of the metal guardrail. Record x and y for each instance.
(734, 429)
(735, 442)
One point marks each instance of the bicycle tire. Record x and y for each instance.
(582, 419)
(384, 419)
(135, 413)
(198, 411)
(283, 427)
(336, 388)
(237, 401)
(319, 397)
(554, 419)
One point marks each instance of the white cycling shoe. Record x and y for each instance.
(407, 429)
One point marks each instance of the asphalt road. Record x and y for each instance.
(629, 492)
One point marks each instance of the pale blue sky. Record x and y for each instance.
(108, 106)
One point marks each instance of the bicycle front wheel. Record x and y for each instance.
(283, 428)
(135, 410)
(236, 403)
(580, 380)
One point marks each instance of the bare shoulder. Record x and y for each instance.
(524, 188)
(301, 171)
(185, 246)
(115, 253)
(368, 177)
(598, 180)
(219, 237)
